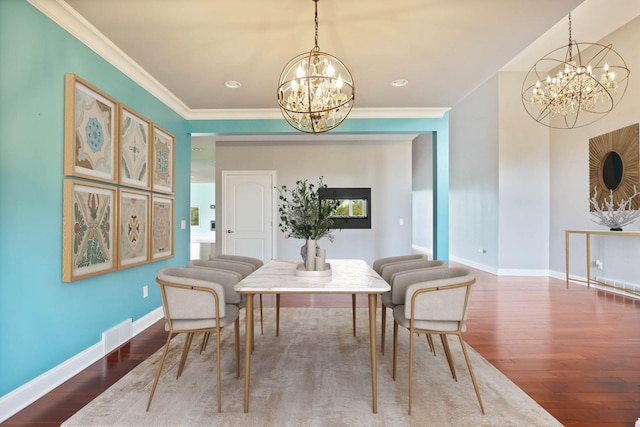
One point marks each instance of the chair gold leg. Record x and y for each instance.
(431, 346)
(261, 317)
(218, 369)
(395, 347)
(205, 341)
(155, 382)
(353, 311)
(410, 367)
(447, 352)
(277, 315)
(383, 326)
(473, 377)
(236, 328)
(185, 353)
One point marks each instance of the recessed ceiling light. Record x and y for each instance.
(399, 82)
(196, 149)
(232, 84)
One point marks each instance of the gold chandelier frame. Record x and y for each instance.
(315, 90)
(575, 85)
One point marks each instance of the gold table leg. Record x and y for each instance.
(248, 332)
(373, 299)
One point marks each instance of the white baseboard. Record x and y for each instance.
(23, 396)
(474, 264)
(422, 250)
(501, 271)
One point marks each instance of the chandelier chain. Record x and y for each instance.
(570, 39)
(316, 20)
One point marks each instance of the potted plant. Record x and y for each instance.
(303, 215)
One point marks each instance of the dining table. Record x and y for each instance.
(340, 276)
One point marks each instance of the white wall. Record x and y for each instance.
(385, 167)
(473, 163)
(422, 184)
(570, 193)
(203, 195)
(523, 184)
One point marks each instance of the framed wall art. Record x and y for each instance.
(89, 241)
(163, 160)
(195, 215)
(90, 148)
(133, 227)
(134, 148)
(161, 227)
(614, 166)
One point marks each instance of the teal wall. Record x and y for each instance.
(43, 321)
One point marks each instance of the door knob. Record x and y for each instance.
(229, 231)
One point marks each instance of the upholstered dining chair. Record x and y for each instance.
(387, 272)
(436, 302)
(194, 300)
(256, 263)
(380, 262)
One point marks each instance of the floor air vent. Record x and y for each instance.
(116, 336)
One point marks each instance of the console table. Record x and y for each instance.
(588, 234)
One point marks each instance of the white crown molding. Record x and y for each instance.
(70, 20)
(356, 113)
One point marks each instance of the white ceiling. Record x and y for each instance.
(184, 51)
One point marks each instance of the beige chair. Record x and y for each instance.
(379, 263)
(195, 300)
(387, 272)
(437, 302)
(256, 264)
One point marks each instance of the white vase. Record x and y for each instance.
(310, 261)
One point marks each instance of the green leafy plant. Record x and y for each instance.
(303, 214)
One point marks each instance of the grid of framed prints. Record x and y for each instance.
(118, 186)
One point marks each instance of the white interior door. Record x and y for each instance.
(248, 203)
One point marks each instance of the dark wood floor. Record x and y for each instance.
(575, 351)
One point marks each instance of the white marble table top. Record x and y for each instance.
(351, 276)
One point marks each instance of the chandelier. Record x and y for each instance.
(315, 90)
(575, 85)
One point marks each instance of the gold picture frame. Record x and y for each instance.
(89, 239)
(90, 126)
(163, 155)
(614, 166)
(134, 149)
(161, 227)
(134, 209)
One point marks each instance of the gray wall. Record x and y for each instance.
(385, 167)
(473, 165)
(523, 161)
(422, 184)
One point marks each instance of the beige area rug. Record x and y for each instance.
(315, 374)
